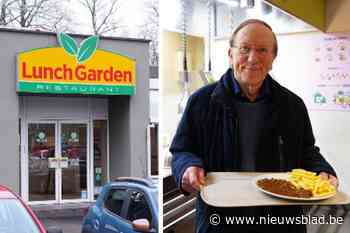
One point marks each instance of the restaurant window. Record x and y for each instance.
(154, 149)
(100, 155)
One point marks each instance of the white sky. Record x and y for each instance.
(131, 13)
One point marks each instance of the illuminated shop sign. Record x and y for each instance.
(75, 69)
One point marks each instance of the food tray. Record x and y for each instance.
(236, 189)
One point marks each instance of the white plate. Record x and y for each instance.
(284, 177)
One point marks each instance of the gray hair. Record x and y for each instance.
(251, 21)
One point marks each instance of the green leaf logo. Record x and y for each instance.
(82, 53)
(68, 43)
(87, 48)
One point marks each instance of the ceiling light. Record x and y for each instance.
(247, 3)
(229, 2)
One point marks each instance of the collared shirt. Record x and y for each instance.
(252, 116)
(265, 91)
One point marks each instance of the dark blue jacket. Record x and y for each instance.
(207, 137)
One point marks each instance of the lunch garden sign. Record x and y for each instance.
(75, 69)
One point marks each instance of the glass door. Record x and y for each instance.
(57, 161)
(74, 161)
(41, 152)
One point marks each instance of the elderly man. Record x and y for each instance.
(245, 122)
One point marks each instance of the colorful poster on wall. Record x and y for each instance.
(330, 86)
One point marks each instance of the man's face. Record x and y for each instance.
(252, 54)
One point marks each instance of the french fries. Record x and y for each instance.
(310, 181)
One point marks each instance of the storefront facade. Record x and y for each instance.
(63, 139)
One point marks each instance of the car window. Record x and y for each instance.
(115, 200)
(14, 218)
(138, 207)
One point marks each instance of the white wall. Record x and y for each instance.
(293, 68)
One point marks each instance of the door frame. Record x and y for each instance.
(25, 161)
(88, 160)
(58, 173)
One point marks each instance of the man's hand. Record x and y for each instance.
(192, 179)
(332, 179)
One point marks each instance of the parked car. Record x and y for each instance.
(125, 205)
(17, 217)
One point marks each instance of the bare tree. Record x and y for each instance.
(41, 14)
(55, 17)
(6, 17)
(149, 30)
(103, 15)
(37, 14)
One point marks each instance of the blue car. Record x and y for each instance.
(126, 205)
